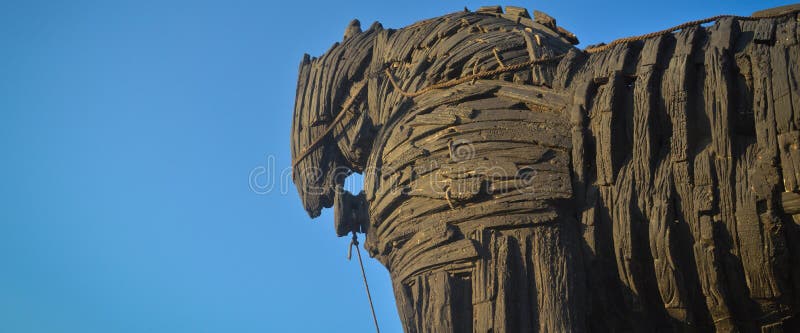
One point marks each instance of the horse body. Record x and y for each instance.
(646, 186)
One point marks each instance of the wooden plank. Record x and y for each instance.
(716, 98)
(462, 250)
(765, 32)
(790, 202)
(789, 146)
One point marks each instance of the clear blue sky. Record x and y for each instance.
(128, 132)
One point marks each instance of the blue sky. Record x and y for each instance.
(128, 134)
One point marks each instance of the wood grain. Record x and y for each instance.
(652, 186)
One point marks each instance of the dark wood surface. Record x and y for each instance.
(652, 186)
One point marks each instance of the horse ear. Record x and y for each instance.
(306, 60)
(376, 26)
(352, 29)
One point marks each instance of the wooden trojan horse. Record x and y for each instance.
(515, 183)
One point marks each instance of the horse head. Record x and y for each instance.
(331, 123)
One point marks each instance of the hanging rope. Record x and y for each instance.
(353, 243)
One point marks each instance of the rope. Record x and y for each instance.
(468, 78)
(497, 57)
(447, 196)
(354, 242)
(345, 109)
(682, 26)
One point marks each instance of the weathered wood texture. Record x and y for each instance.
(653, 186)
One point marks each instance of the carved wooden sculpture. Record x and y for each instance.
(514, 183)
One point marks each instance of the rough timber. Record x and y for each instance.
(652, 186)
